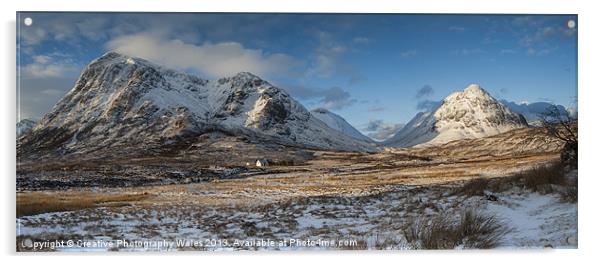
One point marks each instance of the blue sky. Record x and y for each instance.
(374, 70)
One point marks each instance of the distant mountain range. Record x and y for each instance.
(532, 111)
(130, 103)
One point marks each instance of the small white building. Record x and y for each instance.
(261, 163)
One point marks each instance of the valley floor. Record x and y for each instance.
(337, 200)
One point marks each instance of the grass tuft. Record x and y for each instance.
(445, 231)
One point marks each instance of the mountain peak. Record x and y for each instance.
(471, 113)
(471, 93)
(111, 54)
(246, 75)
(475, 89)
(113, 57)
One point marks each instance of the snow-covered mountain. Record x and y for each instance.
(338, 123)
(532, 111)
(24, 126)
(472, 113)
(125, 101)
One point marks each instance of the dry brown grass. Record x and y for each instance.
(443, 231)
(540, 178)
(32, 203)
(544, 179)
(474, 187)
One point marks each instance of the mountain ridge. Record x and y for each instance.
(532, 111)
(339, 123)
(120, 100)
(125, 101)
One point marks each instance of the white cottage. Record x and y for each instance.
(261, 163)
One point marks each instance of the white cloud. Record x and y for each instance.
(538, 35)
(408, 53)
(464, 52)
(337, 98)
(41, 59)
(72, 29)
(52, 92)
(508, 51)
(215, 60)
(376, 109)
(380, 130)
(326, 60)
(540, 52)
(331, 98)
(65, 31)
(94, 28)
(457, 29)
(51, 65)
(32, 35)
(361, 40)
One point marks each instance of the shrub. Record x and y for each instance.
(474, 187)
(472, 230)
(544, 179)
(540, 178)
(249, 228)
(569, 194)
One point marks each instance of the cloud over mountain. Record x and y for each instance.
(380, 130)
(212, 59)
(330, 98)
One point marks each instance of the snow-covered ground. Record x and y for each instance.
(369, 222)
(537, 220)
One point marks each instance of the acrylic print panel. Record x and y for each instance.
(259, 131)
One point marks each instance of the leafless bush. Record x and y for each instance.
(562, 126)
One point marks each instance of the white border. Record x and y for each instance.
(589, 114)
